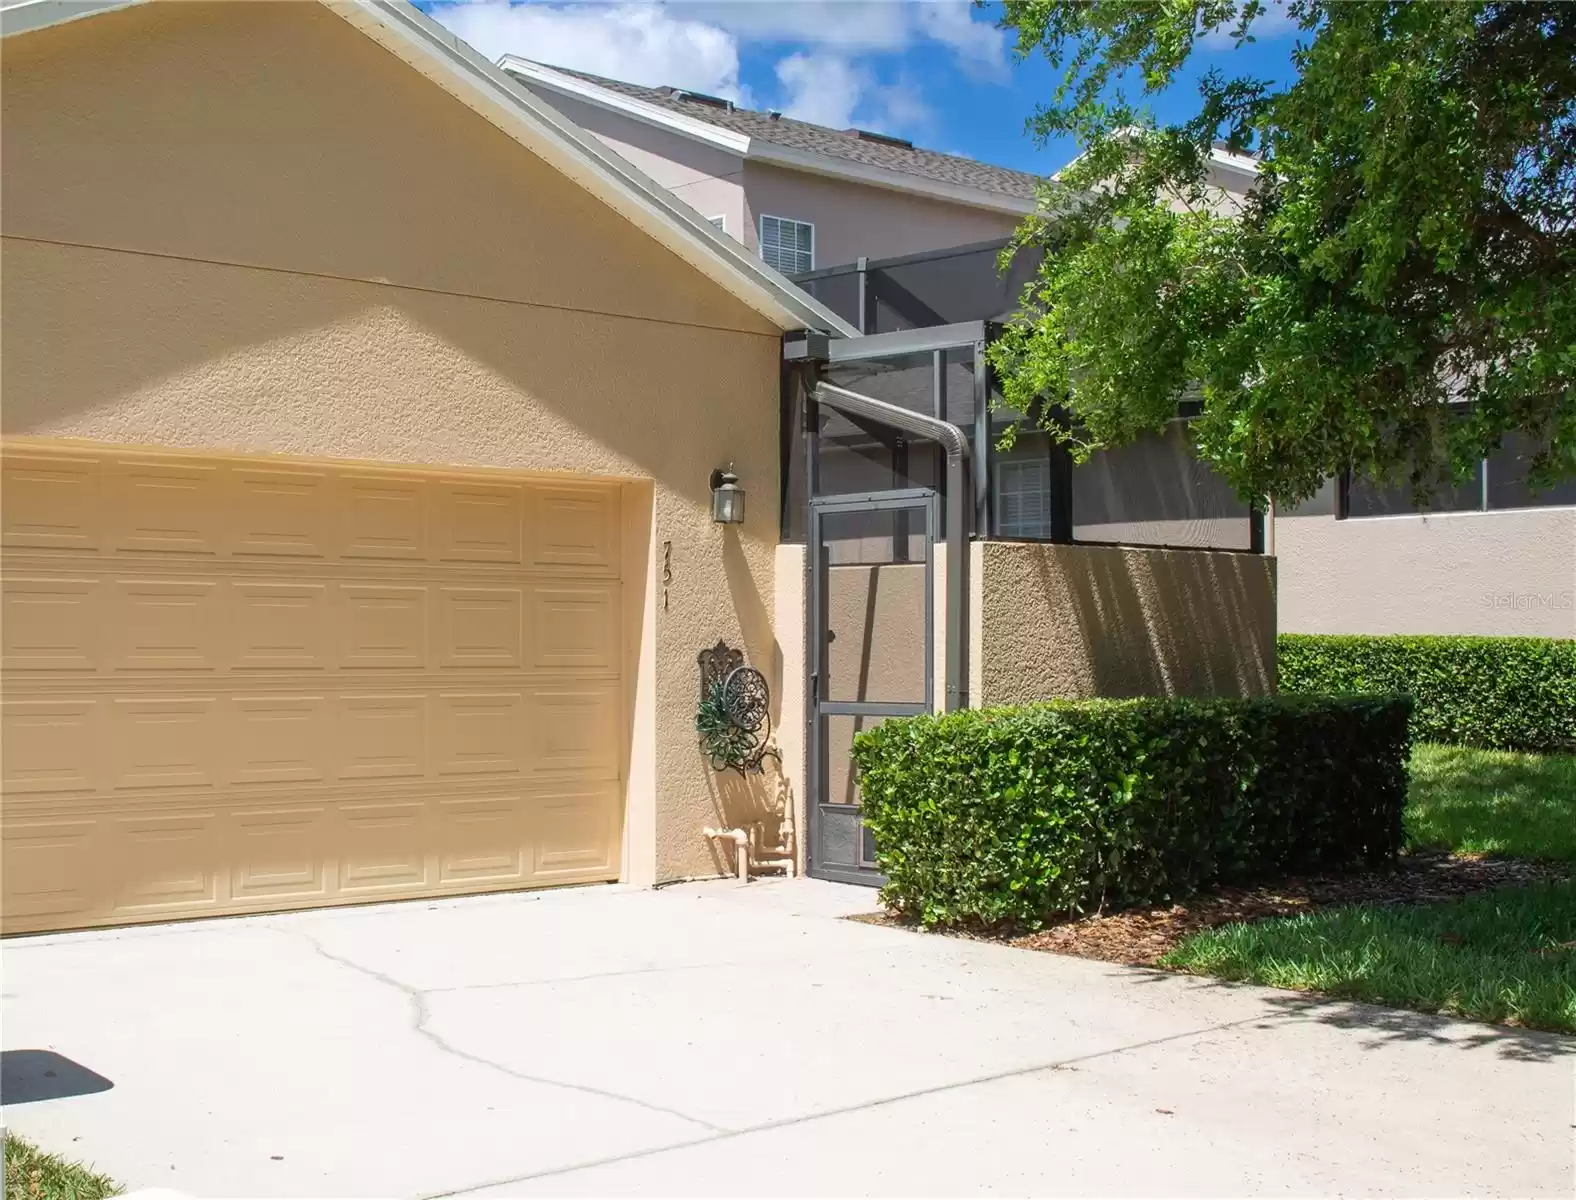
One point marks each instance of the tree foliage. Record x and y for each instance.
(1396, 293)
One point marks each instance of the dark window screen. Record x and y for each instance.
(963, 283)
(1507, 478)
(1157, 492)
(1367, 499)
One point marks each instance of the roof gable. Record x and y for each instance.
(459, 70)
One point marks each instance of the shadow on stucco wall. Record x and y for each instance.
(1077, 621)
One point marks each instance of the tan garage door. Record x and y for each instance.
(245, 684)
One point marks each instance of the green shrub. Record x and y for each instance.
(1497, 693)
(1013, 815)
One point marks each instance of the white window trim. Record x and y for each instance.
(760, 236)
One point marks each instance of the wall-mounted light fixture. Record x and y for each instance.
(727, 497)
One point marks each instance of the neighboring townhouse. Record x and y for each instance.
(803, 196)
(367, 523)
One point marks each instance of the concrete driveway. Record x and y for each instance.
(713, 1040)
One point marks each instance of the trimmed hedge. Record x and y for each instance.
(1013, 815)
(1498, 693)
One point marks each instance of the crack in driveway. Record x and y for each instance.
(722, 1135)
(422, 1013)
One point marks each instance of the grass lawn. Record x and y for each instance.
(30, 1174)
(1493, 802)
(1505, 956)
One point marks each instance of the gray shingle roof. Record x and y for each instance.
(837, 143)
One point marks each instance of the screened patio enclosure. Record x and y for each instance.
(893, 461)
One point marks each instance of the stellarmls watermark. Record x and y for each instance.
(1527, 601)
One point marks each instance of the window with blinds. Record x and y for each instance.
(1023, 498)
(788, 246)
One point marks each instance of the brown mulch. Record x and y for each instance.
(1141, 936)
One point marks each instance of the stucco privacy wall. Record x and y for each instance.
(248, 227)
(1078, 621)
(1506, 574)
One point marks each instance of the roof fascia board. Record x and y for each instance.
(535, 124)
(651, 114)
(759, 150)
(25, 16)
(1234, 162)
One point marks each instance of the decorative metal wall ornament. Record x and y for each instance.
(734, 717)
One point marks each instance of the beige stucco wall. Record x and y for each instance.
(1077, 621)
(246, 226)
(856, 219)
(1510, 573)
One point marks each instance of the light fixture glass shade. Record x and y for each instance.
(727, 498)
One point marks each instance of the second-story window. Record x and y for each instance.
(788, 246)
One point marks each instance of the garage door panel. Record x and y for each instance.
(51, 624)
(243, 684)
(167, 862)
(163, 742)
(575, 627)
(280, 513)
(383, 627)
(479, 522)
(278, 739)
(49, 745)
(167, 506)
(280, 853)
(481, 733)
(479, 627)
(383, 517)
(165, 625)
(483, 841)
(573, 729)
(382, 736)
(50, 503)
(576, 527)
(576, 832)
(386, 847)
(280, 626)
(49, 868)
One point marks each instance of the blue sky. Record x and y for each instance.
(936, 71)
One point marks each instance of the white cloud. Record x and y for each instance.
(1274, 22)
(851, 25)
(640, 42)
(822, 88)
(695, 43)
(980, 46)
(830, 90)
(825, 74)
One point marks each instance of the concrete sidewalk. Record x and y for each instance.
(715, 1040)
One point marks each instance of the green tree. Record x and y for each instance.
(1398, 291)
